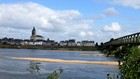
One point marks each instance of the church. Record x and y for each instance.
(35, 37)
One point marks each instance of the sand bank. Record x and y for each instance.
(93, 54)
(68, 61)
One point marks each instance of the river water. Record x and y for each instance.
(17, 69)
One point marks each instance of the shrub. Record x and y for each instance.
(34, 69)
(131, 64)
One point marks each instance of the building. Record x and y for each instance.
(49, 42)
(88, 43)
(35, 37)
(71, 42)
(63, 43)
(79, 43)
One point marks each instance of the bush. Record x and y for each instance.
(34, 69)
(130, 68)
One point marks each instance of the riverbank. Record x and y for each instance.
(112, 63)
(43, 47)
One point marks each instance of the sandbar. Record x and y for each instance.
(92, 54)
(112, 63)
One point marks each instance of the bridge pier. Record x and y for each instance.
(138, 38)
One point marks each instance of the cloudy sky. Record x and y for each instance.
(98, 20)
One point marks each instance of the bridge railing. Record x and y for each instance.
(129, 39)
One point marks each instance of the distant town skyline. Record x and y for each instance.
(98, 20)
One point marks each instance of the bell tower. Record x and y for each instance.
(34, 32)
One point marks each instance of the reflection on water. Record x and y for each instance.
(17, 69)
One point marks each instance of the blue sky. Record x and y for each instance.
(98, 20)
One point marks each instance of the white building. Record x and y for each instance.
(88, 43)
(63, 43)
(79, 43)
(71, 42)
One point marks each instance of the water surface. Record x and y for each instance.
(17, 69)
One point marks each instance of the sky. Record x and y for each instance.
(98, 20)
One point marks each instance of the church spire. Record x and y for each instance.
(34, 32)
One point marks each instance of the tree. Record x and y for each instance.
(111, 39)
(96, 44)
(101, 44)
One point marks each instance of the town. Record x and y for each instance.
(38, 40)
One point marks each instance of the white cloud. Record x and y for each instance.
(60, 23)
(90, 33)
(32, 14)
(110, 11)
(114, 27)
(131, 3)
(82, 34)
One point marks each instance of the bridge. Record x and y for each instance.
(132, 39)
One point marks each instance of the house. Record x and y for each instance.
(31, 42)
(79, 43)
(49, 42)
(88, 43)
(63, 43)
(71, 42)
(38, 42)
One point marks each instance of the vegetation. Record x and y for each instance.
(130, 68)
(34, 69)
(71, 48)
(130, 58)
(55, 74)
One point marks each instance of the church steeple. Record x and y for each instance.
(35, 37)
(34, 32)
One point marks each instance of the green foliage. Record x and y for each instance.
(34, 69)
(55, 74)
(131, 64)
(120, 53)
(130, 58)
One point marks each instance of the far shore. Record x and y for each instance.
(43, 47)
(111, 63)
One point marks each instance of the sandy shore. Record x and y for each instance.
(68, 61)
(93, 54)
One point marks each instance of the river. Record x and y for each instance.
(17, 69)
